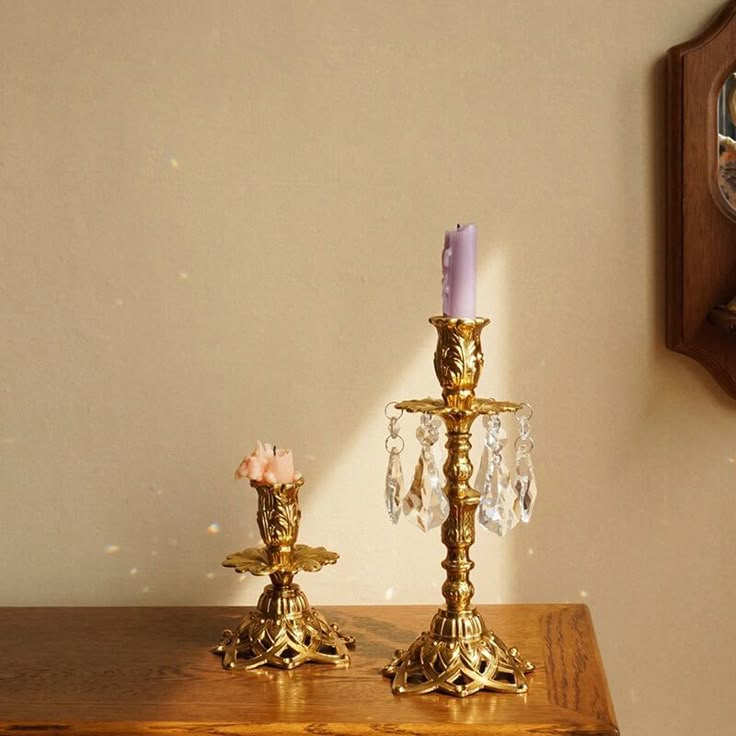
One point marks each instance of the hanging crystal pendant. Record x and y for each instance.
(498, 511)
(425, 503)
(394, 488)
(494, 442)
(525, 485)
(503, 515)
(394, 485)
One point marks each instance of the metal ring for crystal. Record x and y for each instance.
(524, 405)
(397, 447)
(527, 441)
(390, 416)
(488, 418)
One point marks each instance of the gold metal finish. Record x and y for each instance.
(283, 631)
(259, 561)
(459, 655)
(477, 407)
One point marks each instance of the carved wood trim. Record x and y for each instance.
(701, 233)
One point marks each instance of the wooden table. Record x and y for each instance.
(150, 670)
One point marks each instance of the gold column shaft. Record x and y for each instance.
(458, 530)
(458, 364)
(278, 518)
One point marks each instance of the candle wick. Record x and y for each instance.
(274, 449)
(458, 226)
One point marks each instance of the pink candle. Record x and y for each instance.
(268, 464)
(282, 466)
(458, 272)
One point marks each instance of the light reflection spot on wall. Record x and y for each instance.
(111, 549)
(583, 593)
(210, 576)
(133, 570)
(390, 593)
(213, 528)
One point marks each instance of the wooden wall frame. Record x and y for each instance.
(701, 231)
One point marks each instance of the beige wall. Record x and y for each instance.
(222, 221)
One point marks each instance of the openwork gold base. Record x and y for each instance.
(284, 632)
(458, 656)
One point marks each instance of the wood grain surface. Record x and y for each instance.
(150, 670)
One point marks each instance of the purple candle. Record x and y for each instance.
(458, 273)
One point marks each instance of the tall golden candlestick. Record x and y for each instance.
(459, 655)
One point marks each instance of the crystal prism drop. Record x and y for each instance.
(394, 485)
(425, 503)
(525, 485)
(480, 478)
(498, 511)
(494, 442)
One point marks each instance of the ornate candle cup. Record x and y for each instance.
(459, 655)
(283, 631)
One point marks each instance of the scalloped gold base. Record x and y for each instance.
(283, 632)
(458, 656)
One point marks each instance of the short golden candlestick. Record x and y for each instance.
(283, 631)
(459, 655)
